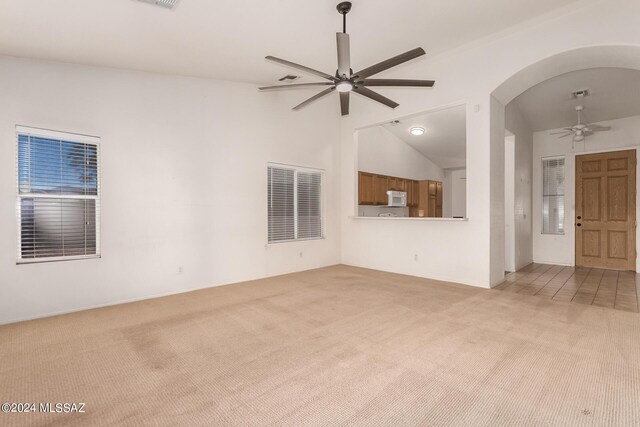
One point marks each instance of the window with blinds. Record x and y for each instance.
(553, 195)
(58, 206)
(294, 197)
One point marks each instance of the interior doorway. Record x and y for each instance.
(606, 210)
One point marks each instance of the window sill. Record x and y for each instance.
(277, 242)
(55, 259)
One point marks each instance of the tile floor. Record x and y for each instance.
(591, 286)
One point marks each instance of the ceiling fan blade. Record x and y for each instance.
(314, 97)
(566, 135)
(344, 103)
(300, 67)
(391, 62)
(563, 132)
(344, 55)
(598, 128)
(397, 82)
(375, 96)
(296, 85)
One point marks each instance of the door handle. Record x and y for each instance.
(579, 225)
(579, 217)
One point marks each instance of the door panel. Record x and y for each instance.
(591, 243)
(606, 210)
(591, 198)
(617, 190)
(617, 244)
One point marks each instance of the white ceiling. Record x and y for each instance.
(614, 94)
(445, 139)
(228, 39)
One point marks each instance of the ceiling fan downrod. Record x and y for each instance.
(344, 8)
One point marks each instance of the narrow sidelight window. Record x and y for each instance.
(553, 195)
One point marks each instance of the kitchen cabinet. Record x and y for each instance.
(372, 190)
(394, 184)
(381, 186)
(366, 188)
(430, 199)
(413, 192)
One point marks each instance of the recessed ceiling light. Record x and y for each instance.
(416, 130)
(344, 86)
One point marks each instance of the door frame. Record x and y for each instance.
(571, 222)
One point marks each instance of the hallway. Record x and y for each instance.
(591, 286)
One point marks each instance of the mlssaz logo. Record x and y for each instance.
(62, 408)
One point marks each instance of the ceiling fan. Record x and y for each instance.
(345, 80)
(581, 130)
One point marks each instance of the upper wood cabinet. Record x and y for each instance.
(381, 186)
(366, 195)
(372, 189)
(430, 201)
(413, 193)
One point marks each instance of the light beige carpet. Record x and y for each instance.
(334, 346)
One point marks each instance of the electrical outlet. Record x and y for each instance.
(415, 257)
(180, 269)
(300, 254)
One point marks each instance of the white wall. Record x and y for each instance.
(447, 194)
(183, 182)
(381, 152)
(522, 199)
(560, 249)
(457, 181)
(509, 203)
(468, 251)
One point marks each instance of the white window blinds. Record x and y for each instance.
(281, 204)
(553, 195)
(294, 203)
(58, 195)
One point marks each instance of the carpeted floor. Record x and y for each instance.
(334, 346)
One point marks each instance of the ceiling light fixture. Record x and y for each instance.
(344, 86)
(167, 4)
(417, 131)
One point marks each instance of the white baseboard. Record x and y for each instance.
(147, 297)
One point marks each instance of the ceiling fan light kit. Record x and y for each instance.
(345, 80)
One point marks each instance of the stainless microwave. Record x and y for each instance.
(397, 198)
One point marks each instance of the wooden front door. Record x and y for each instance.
(606, 210)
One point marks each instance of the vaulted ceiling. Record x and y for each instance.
(445, 139)
(228, 39)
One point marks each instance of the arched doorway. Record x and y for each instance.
(565, 62)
